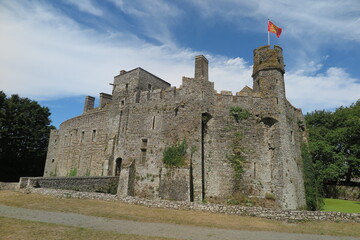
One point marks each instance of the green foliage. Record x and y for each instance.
(241, 199)
(87, 172)
(270, 196)
(24, 135)
(239, 113)
(73, 172)
(174, 156)
(112, 188)
(334, 142)
(311, 181)
(236, 157)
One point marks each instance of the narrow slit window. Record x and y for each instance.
(254, 170)
(82, 136)
(93, 135)
(153, 122)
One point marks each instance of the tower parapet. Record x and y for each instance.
(266, 58)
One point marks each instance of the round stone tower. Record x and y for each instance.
(268, 71)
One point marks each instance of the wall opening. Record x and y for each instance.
(93, 135)
(82, 136)
(143, 149)
(254, 170)
(205, 117)
(118, 163)
(153, 123)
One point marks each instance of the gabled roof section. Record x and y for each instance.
(246, 91)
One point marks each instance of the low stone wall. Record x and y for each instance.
(82, 184)
(290, 216)
(9, 185)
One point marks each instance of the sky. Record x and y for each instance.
(59, 51)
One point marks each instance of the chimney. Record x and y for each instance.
(201, 67)
(89, 103)
(105, 99)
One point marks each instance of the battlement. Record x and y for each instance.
(170, 93)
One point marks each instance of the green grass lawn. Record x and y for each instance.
(338, 205)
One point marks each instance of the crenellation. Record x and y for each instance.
(127, 135)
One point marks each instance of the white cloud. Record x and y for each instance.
(306, 18)
(154, 19)
(86, 6)
(332, 89)
(47, 55)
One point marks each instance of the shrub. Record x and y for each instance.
(174, 156)
(270, 196)
(312, 184)
(239, 114)
(73, 172)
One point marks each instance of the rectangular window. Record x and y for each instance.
(143, 155)
(144, 143)
(93, 135)
(149, 87)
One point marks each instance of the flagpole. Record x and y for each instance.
(268, 34)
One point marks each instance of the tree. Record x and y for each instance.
(334, 142)
(24, 135)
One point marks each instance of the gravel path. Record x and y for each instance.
(152, 229)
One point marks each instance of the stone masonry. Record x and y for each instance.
(127, 134)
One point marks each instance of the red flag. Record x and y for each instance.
(274, 29)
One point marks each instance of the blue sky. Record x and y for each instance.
(59, 51)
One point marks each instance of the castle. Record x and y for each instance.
(249, 142)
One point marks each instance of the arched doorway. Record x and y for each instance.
(118, 166)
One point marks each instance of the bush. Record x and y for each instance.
(312, 184)
(239, 114)
(174, 156)
(270, 196)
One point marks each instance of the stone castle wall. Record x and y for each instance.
(128, 136)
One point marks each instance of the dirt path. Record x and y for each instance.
(152, 229)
